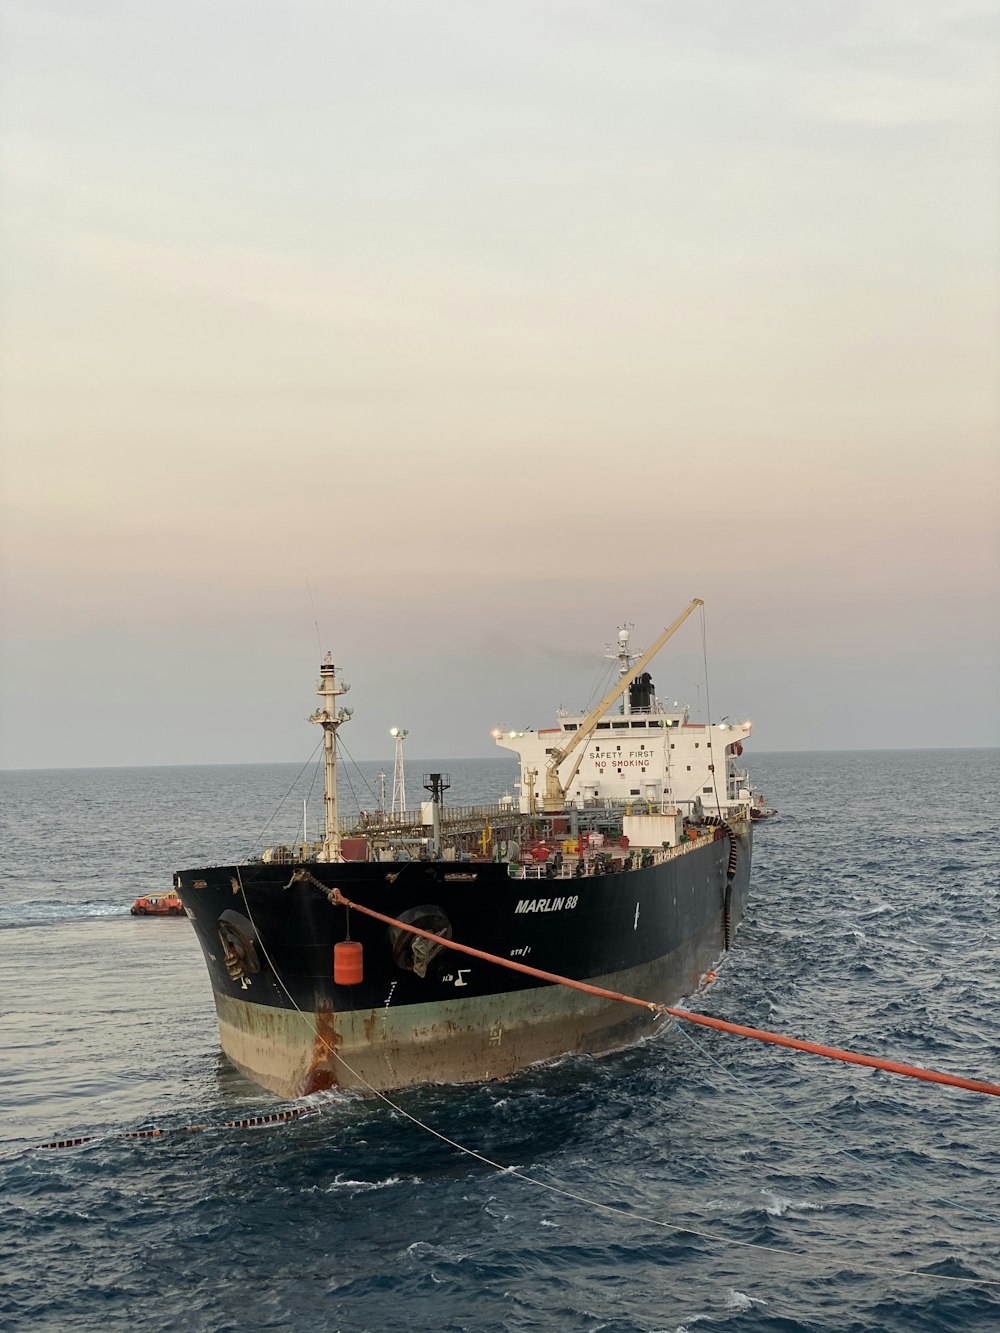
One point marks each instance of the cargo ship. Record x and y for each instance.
(623, 862)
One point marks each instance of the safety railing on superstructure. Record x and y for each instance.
(618, 806)
(382, 822)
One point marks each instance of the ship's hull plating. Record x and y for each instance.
(283, 1021)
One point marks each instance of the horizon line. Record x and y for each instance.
(458, 759)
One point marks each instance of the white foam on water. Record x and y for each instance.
(422, 1249)
(331, 1097)
(363, 1186)
(779, 1205)
(739, 1300)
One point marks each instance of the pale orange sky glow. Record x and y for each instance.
(501, 325)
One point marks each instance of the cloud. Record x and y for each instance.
(890, 102)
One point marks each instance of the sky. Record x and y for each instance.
(452, 336)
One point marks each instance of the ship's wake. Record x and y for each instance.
(17, 916)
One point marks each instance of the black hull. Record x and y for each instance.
(269, 945)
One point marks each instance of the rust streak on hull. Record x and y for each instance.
(294, 1054)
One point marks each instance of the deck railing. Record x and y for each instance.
(382, 822)
(469, 818)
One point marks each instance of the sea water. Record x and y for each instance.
(697, 1180)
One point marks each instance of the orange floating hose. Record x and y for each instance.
(834, 1053)
(756, 1034)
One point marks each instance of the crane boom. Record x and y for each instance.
(555, 791)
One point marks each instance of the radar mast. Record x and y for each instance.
(330, 717)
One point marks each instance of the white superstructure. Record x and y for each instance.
(640, 752)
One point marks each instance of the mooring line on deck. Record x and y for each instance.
(687, 1015)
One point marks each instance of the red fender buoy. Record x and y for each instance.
(348, 963)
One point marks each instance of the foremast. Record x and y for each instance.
(330, 717)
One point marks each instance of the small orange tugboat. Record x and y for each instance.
(158, 904)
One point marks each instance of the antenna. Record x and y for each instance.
(319, 641)
(623, 655)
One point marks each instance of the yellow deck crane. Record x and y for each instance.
(555, 790)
